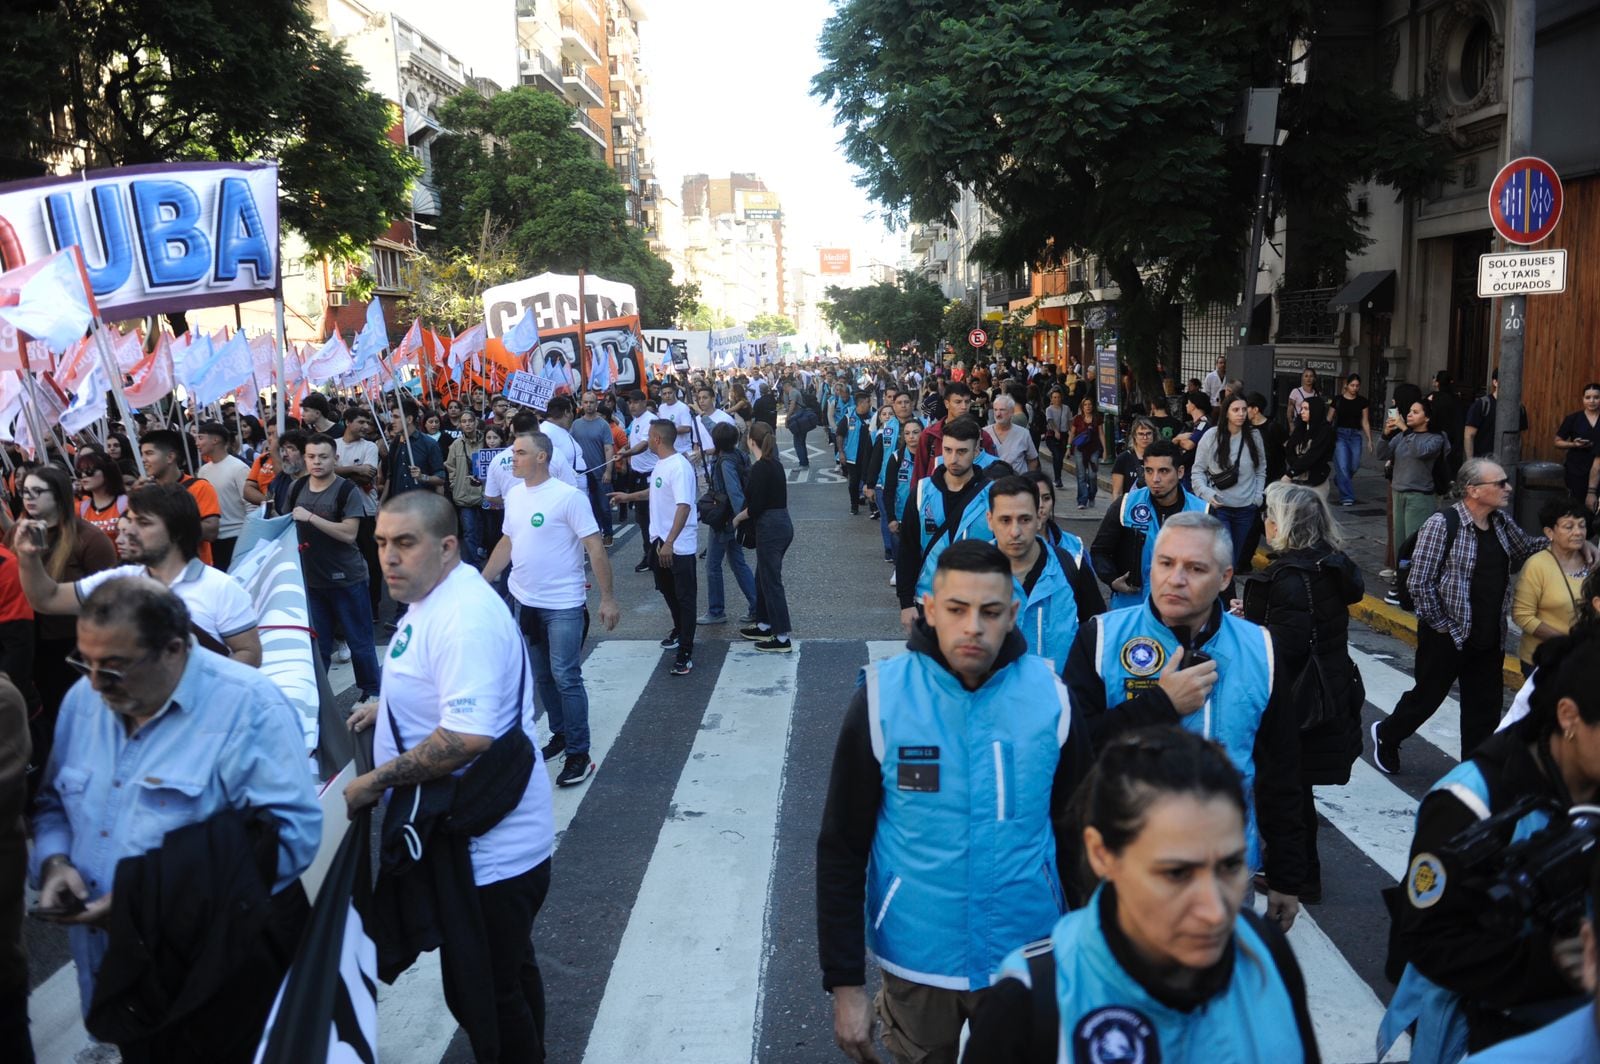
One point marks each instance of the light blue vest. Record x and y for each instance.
(855, 426)
(963, 862)
(1133, 648)
(1048, 617)
(1107, 1015)
(974, 524)
(904, 475)
(1441, 1032)
(1139, 513)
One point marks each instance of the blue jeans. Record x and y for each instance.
(1346, 460)
(720, 544)
(472, 535)
(1088, 478)
(1238, 520)
(348, 609)
(555, 650)
(802, 454)
(599, 503)
(891, 542)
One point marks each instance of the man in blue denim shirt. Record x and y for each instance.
(161, 734)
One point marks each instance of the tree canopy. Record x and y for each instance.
(887, 313)
(769, 325)
(516, 158)
(1099, 128)
(120, 82)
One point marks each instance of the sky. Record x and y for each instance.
(729, 92)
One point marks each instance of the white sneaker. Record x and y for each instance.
(341, 653)
(891, 579)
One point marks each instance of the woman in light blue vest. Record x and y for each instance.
(1166, 962)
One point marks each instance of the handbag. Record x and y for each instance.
(1310, 691)
(1227, 477)
(714, 509)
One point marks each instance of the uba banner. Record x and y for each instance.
(155, 239)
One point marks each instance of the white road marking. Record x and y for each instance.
(717, 847)
(878, 649)
(1373, 813)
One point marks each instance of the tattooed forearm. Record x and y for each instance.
(438, 755)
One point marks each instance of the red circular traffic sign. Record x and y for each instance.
(1525, 200)
(977, 338)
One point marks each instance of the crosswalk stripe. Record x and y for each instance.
(718, 849)
(878, 649)
(1374, 814)
(414, 1026)
(1344, 1010)
(1385, 684)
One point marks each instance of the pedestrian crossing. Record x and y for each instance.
(680, 924)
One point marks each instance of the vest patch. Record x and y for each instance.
(919, 753)
(1115, 1035)
(1425, 881)
(1141, 514)
(1143, 656)
(920, 776)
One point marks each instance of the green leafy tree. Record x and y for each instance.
(769, 325)
(516, 158)
(445, 287)
(887, 313)
(697, 316)
(119, 82)
(1097, 128)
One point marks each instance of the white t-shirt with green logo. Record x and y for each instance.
(546, 526)
(455, 663)
(671, 483)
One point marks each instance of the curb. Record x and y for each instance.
(1397, 623)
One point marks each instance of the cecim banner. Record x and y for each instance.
(553, 298)
(155, 239)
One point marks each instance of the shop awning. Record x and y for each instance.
(1371, 291)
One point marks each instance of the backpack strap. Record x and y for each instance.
(294, 492)
(1041, 958)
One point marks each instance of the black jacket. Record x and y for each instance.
(1277, 794)
(1309, 455)
(1276, 598)
(198, 941)
(908, 563)
(850, 820)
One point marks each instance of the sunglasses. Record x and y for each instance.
(112, 676)
(1503, 482)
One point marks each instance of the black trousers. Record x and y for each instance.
(1439, 664)
(509, 908)
(1308, 816)
(774, 533)
(367, 543)
(852, 476)
(679, 585)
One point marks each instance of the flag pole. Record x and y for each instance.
(114, 374)
(400, 408)
(283, 345)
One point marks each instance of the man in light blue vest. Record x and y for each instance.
(945, 838)
(949, 505)
(1122, 546)
(854, 432)
(1180, 658)
(1056, 588)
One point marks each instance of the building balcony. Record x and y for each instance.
(581, 88)
(922, 237)
(584, 124)
(541, 72)
(1304, 317)
(578, 44)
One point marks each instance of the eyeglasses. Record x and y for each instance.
(88, 471)
(34, 493)
(113, 676)
(1503, 482)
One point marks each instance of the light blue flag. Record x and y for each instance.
(374, 335)
(47, 300)
(524, 336)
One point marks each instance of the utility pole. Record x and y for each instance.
(1261, 127)
(1513, 309)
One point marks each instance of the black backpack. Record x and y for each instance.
(1402, 560)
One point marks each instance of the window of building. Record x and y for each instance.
(387, 264)
(1476, 56)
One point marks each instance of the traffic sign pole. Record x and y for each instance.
(1514, 309)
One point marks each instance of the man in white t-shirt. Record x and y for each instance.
(708, 417)
(159, 537)
(669, 409)
(567, 463)
(548, 526)
(226, 474)
(455, 678)
(641, 463)
(673, 538)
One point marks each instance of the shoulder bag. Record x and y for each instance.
(714, 509)
(1226, 477)
(1310, 692)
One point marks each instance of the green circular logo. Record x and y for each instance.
(658, 482)
(536, 520)
(400, 643)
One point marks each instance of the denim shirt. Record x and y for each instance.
(227, 739)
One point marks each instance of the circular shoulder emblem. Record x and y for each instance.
(1115, 1035)
(1141, 514)
(658, 482)
(1425, 881)
(399, 644)
(1143, 656)
(536, 520)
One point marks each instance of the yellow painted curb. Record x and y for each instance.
(1393, 621)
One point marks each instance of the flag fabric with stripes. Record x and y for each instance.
(468, 345)
(89, 404)
(331, 359)
(152, 377)
(47, 300)
(227, 370)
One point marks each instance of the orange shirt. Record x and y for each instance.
(13, 603)
(262, 473)
(105, 520)
(205, 496)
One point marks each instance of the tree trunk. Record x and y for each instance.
(1140, 318)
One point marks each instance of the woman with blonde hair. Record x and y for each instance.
(1303, 599)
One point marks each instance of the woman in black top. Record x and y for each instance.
(1310, 453)
(766, 509)
(1127, 472)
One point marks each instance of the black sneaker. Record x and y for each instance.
(1385, 755)
(683, 666)
(1392, 597)
(556, 745)
(576, 769)
(873, 513)
(671, 642)
(756, 632)
(642, 567)
(774, 645)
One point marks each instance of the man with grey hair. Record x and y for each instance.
(1011, 441)
(548, 526)
(1460, 581)
(162, 733)
(1180, 658)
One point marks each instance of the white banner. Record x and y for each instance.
(156, 239)
(553, 298)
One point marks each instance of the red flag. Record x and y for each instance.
(152, 377)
